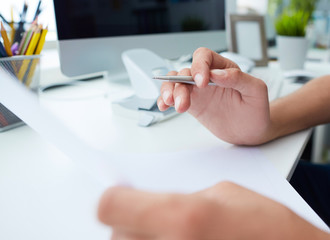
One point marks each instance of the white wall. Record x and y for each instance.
(323, 5)
(260, 6)
(47, 16)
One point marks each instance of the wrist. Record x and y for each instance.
(272, 132)
(276, 127)
(265, 135)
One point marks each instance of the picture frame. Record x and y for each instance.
(248, 37)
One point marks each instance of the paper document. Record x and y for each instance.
(182, 171)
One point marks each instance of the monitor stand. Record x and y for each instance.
(142, 65)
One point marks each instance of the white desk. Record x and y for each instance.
(43, 195)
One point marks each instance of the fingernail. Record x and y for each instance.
(177, 102)
(198, 79)
(166, 95)
(219, 72)
(160, 104)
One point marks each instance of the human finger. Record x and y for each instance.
(153, 214)
(182, 92)
(234, 78)
(166, 90)
(161, 104)
(116, 208)
(204, 60)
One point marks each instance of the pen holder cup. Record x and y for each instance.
(25, 69)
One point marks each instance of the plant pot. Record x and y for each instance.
(292, 52)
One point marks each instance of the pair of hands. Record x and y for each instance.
(237, 111)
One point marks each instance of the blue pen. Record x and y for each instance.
(38, 11)
(2, 51)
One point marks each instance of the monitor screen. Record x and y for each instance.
(104, 18)
(93, 33)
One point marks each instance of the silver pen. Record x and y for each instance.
(180, 79)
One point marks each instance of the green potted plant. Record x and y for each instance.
(291, 39)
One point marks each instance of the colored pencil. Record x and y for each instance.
(25, 69)
(12, 26)
(41, 42)
(27, 40)
(33, 43)
(37, 52)
(6, 41)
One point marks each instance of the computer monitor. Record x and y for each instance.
(93, 33)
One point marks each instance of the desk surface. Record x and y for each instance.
(41, 187)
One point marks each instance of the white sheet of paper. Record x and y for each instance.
(186, 171)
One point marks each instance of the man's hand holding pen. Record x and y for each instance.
(221, 109)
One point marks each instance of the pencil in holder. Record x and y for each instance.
(25, 69)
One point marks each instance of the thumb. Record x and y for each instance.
(236, 79)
